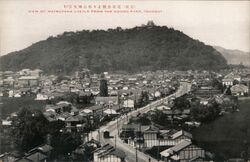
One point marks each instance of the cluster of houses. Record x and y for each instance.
(124, 92)
(26, 81)
(238, 83)
(183, 151)
(109, 153)
(94, 151)
(91, 150)
(173, 115)
(178, 142)
(206, 93)
(17, 84)
(76, 119)
(40, 153)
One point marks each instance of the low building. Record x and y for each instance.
(36, 156)
(83, 152)
(8, 82)
(41, 96)
(129, 103)
(107, 100)
(53, 108)
(163, 106)
(36, 72)
(85, 97)
(168, 138)
(227, 81)
(28, 81)
(74, 123)
(184, 151)
(239, 90)
(10, 157)
(110, 112)
(44, 148)
(205, 92)
(97, 109)
(150, 136)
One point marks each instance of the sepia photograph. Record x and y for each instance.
(124, 81)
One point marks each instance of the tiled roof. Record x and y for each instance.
(181, 145)
(28, 77)
(110, 111)
(109, 150)
(37, 156)
(95, 107)
(106, 99)
(72, 119)
(119, 154)
(180, 133)
(87, 111)
(51, 107)
(239, 87)
(150, 129)
(23, 160)
(45, 148)
(166, 153)
(63, 103)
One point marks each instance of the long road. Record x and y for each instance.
(114, 126)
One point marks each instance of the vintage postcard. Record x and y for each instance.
(124, 81)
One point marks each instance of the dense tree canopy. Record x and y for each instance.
(143, 99)
(104, 88)
(181, 103)
(132, 50)
(65, 142)
(205, 113)
(29, 128)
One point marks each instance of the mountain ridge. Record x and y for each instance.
(147, 47)
(234, 56)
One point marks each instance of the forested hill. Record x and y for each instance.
(147, 47)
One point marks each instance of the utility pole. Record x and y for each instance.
(158, 150)
(117, 126)
(127, 116)
(124, 134)
(102, 109)
(140, 137)
(115, 141)
(99, 135)
(136, 157)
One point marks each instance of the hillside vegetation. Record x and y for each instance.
(132, 50)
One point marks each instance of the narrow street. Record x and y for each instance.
(114, 126)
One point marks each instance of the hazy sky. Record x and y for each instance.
(223, 23)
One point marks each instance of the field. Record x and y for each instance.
(226, 135)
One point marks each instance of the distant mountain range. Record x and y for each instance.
(234, 57)
(140, 48)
